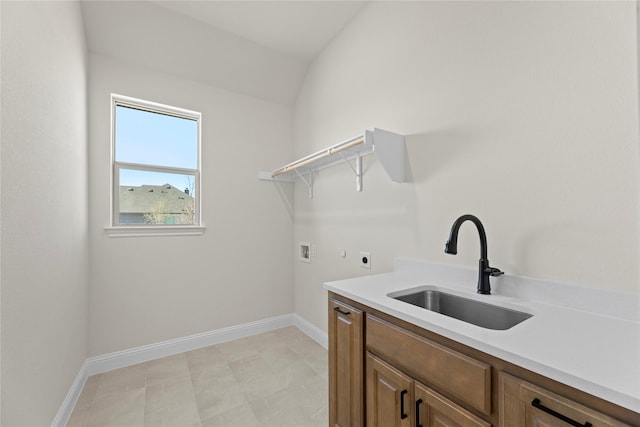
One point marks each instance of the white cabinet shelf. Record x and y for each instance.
(389, 148)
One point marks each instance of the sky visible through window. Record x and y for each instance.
(155, 139)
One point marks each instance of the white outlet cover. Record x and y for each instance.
(365, 260)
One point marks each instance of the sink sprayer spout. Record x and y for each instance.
(484, 270)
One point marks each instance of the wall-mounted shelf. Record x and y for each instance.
(388, 147)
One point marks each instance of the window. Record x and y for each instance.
(156, 165)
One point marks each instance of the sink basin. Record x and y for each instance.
(481, 314)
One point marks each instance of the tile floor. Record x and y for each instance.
(277, 378)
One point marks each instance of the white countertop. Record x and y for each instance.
(586, 338)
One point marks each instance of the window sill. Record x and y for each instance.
(150, 230)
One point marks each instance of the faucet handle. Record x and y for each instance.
(491, 271)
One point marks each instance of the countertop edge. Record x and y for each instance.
(341, 287)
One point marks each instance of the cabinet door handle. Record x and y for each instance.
(418, 402)
(403, 414)
(537, 404)
(339, 310)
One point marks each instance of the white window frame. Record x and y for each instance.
(127, 230)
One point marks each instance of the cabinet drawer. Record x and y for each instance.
(526, 404)
(463, 377)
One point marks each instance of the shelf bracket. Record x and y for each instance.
(309, 183)
(357, 170)
(389, 148)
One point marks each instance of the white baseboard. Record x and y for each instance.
(64, 413)
(121, 359)
(315, 333)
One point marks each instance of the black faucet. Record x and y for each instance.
(484, 271)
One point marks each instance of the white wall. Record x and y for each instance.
(45, 240)
(522, 113)
(151, 289)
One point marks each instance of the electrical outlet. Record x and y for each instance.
(365, 260)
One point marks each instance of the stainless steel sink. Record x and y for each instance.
(477, 313)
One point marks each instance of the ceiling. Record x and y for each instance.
(296, 28)
(259, 48)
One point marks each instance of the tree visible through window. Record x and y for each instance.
(156, 166)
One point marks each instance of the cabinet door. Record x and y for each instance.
(444, 368)
(434, 410)
(389, 395)
(531, 406)
(346, 383)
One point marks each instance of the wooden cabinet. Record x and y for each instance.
(412, 377)
(463, 377)
(346, 382)
(389, 395)
(394, 399)
(434, 410)
(528, 405)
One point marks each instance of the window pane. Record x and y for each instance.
(156, 198)
(149, 138)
